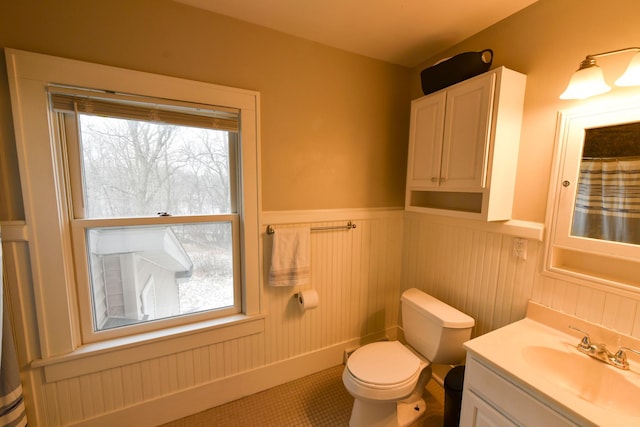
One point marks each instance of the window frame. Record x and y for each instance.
(42, 174)
(69, 141)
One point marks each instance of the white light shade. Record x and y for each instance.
(586, 82)
(631, 77)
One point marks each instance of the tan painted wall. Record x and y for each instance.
(547, 41)
(334, 125)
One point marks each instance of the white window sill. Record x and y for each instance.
(108, 354)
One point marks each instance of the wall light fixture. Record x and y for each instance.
(588, 80)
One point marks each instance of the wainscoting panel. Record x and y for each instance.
(612, 308)
(359, 275)
(473, 268)
(469, 268)
(355, 272)
(84, 397)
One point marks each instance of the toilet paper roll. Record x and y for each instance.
(308, 299)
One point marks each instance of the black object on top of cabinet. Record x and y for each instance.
(455, 69)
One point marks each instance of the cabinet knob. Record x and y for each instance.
(566, 183)
(442, 179)
(434, 179)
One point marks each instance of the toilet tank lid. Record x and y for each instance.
(448, 316)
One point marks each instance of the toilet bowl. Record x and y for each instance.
(387, 378)
(382, 375)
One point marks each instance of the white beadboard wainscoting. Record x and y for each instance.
(612, 308)
(355, 272)
(359, 275)
(471, 265)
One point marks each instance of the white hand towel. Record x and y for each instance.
(290, 260)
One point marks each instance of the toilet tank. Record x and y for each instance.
(434, 329)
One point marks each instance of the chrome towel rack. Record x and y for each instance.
(348, 226)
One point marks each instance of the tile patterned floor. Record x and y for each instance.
(316, 400)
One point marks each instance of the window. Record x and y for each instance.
(153, 205)
(142, 199)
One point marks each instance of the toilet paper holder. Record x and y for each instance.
(307, 300)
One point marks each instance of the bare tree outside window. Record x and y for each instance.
(134, 168)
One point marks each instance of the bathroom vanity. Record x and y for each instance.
(530, 373)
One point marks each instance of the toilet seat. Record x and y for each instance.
(384, 365)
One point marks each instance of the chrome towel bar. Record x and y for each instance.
(348, 226)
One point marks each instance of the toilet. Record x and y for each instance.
(387, 378)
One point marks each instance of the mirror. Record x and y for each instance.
(607, 203)
(593, 219)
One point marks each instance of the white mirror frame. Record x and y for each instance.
(598, 261)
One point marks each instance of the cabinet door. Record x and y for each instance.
(478, 413)
(425, 141)
(466, 133)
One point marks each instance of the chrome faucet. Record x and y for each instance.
(585, 343)
(620, 358)
(600, 351)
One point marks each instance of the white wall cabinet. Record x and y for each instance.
(490, 399)
(447, 154)
(463, 147)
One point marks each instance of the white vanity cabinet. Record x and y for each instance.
(530, 373)
(463, 147)
(490, 399)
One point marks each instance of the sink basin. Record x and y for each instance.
(587, 378)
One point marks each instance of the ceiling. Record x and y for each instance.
(403, 32)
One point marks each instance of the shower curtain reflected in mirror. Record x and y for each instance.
(12, 410)
(608, 200)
